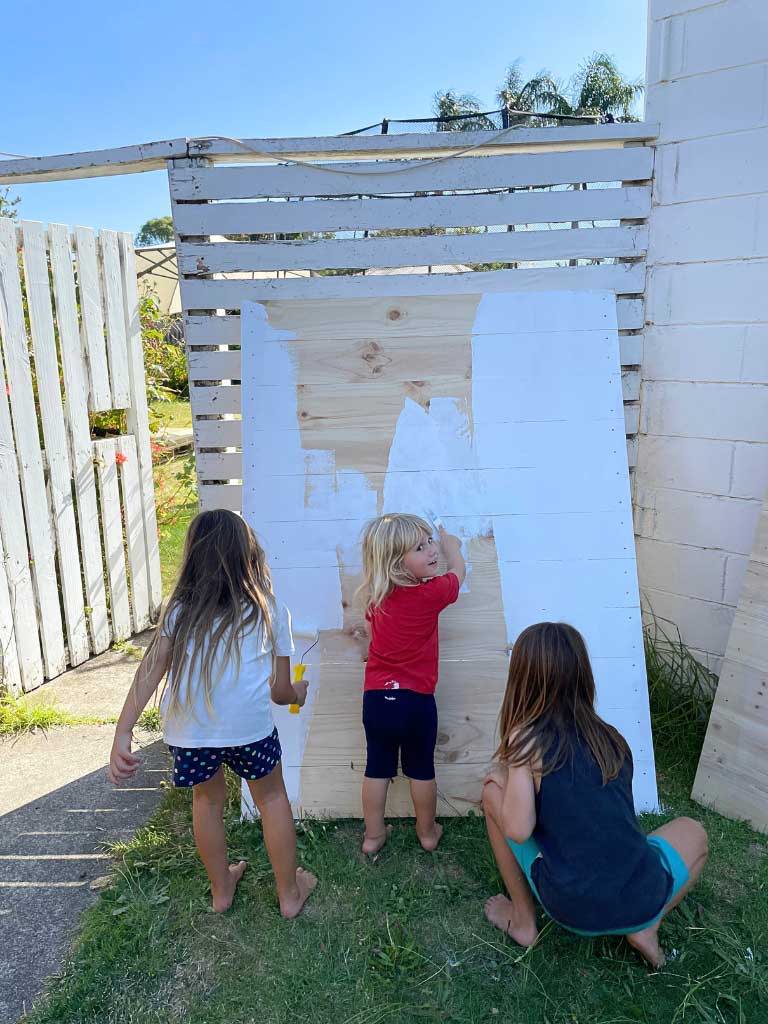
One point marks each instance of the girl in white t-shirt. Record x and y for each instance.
(225, 643)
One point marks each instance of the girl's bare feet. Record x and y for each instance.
(501, 912)
(372, 844)
(292, 904)
(222, 898)
(647, 945)
(430, 840)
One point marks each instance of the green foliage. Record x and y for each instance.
(599, 88)
(451, 104)
(8, 203)
(156, 231)
(23, 714)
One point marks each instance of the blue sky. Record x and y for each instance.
(73, 78)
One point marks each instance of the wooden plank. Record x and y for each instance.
(74, 373)
(138, 419)
(594, 204)
(10, 671)
(226, 398)
(112, 529)
(368, 360)
(225, 330)
(219, 466)
(221, 496)
(622, 278)
(421, 144)
(147, 156)
(732, 776)
(14, 540)
(462, 173)
(94, 342)
(117, 345)
(133, 516)
(30, 468)
(412, 251)
(38, 289)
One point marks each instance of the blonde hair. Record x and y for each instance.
(224, 590)
(386, 542)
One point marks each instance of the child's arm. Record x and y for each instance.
(122, 763)
(283, 690)
(518, 808)
(452, 550)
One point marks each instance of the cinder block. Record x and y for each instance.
(706, 168)
(735, 569)
(685, 463)
(737, 412)
(731, 228)
(694, 353)
(750, 471)
(708, 293)
(702, 105)
(703, 520)
(681, 569)
(754, 367)
(703, 625)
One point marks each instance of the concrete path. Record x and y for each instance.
(57, 811)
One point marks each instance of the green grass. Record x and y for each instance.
(20, 714)
(176, 498)
(175, 412)
(403, 939)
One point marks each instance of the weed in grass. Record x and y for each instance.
(19, 715)
(129, 649)
(150, 720)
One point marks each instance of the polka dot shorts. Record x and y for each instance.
(192, 765)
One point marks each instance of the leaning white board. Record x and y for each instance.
(535, 460)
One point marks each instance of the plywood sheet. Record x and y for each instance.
(733, 770)
(502, 412)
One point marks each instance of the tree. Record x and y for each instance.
(542, 93)
(449, 104)
(598, 87)
(155, 231)
(7, 204)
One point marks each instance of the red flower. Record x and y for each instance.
(120, 458)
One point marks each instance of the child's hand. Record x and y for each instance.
(301, 692)
(123, 765)
(448, 542)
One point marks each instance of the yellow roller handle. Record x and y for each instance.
(298, 675)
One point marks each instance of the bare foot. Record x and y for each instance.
(432, 838)
(222, 900)
(372, 844)
(292, 904)
(647, 945)
(501, 912)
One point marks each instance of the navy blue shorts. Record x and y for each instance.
(192, 765)
(400, 723)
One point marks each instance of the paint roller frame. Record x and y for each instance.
(300, 667)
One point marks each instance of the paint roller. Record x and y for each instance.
(300, 667)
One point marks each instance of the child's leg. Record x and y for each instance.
(374, 805)
(293, 883)
(690, 840)
(515, 916)
(208, 800)
(424, 796)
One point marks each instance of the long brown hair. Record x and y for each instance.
(224, 590)
(550, 697)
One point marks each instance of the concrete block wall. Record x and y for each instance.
(702, 467)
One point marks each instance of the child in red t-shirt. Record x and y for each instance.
(403, 599)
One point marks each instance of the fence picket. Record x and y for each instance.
(54, 436)
(10, 672)
(30, 468)
(112, 529)
(117, 347)
(134, 530)
(76, 390)
(94, 343)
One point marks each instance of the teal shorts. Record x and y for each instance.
(527, 852)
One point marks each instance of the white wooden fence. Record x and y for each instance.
(79, 565)
(558, 208)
